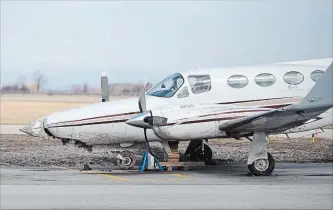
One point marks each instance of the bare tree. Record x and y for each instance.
(39, 79)
(20, 81)
(21, 85)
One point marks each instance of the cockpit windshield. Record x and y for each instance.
(168, 87)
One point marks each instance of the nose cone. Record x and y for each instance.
(137, 121)
(35, 128)
(28, 128)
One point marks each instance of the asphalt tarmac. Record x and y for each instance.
(302, 186)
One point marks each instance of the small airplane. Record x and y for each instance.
(230, 102)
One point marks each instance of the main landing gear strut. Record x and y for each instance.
(260, 162)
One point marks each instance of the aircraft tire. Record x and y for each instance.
(197, 155)
(130, 161)
(258, 167)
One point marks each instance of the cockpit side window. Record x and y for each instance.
(200, 83)
(167, 87)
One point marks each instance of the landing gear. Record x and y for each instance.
(260, 162)
(198, 151)
(199, 154)
(262, 166)
(127, 160)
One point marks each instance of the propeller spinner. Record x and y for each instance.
(145, 119)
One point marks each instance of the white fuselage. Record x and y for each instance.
(104, 123)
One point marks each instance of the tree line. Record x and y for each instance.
(39, 80)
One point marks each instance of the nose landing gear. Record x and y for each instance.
(126, 160)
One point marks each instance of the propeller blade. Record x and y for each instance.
(142, 101)
(147, 142)
(104, 87)
(144, 121)
(157, 132)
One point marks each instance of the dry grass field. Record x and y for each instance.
(23, 112)
(22, 109)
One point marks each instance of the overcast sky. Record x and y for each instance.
(72, 41)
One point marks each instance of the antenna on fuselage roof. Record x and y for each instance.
(104, 87)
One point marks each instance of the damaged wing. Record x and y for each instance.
(272, 120)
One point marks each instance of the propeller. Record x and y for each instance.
(151, 120)
(142, 99)
(104, 87)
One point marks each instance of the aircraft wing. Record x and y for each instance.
(273, 120)
(241, 122)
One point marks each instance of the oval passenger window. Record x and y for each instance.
(293, 78)
(315, 75)
(237, 81)
(265, 79)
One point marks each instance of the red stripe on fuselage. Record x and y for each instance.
(105, 116)
(131, 113)
(232, 112)
(206, 120)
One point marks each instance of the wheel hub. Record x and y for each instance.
(261, 164)
(127, 161)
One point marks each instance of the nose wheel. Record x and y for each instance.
(128, 160)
